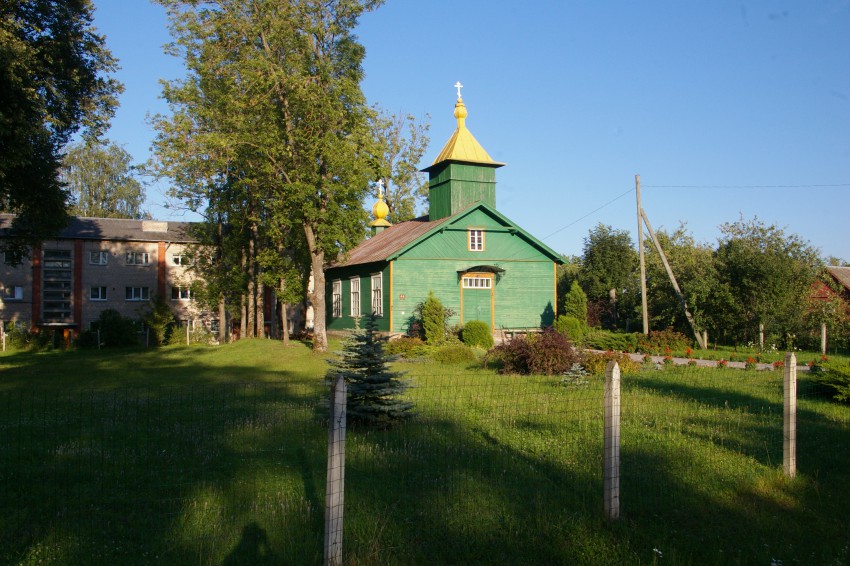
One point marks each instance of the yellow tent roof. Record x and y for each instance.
(462, 146)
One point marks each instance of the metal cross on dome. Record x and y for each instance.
(458, 86)
(380, 184)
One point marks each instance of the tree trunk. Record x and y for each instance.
(612, 298)
(261, 310)
(317, 295)
(222, 321)
(284, 320)
(252, 290)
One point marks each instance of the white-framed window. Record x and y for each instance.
(138, 258)
(13, 293)
(355, 296)
(377, 295)
(475, 240)
(137, 294)
(98, 258)
(336, 298)
(97, 293)
(477, 282)
(181, 259)
(181, 294)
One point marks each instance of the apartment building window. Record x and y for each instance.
(181, 259)
(98, 258)
(97, 293)
(138, 258)
(13, 293)
(56, 285)
(377, 295)
(475, 240)
(9, 259)
(336, 298)
(355, 296)
(138, 294)
(181, 294)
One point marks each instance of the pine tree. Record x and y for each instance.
(373, 390)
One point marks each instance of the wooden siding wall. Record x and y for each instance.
(344, 275)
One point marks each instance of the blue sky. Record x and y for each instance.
(724, 108)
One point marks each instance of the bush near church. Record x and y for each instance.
(477, 333)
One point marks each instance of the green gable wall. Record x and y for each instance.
(455, 186)
(524, 294)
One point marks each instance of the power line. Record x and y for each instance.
(743, 186)
(576, 221)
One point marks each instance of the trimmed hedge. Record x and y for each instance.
(477, 333)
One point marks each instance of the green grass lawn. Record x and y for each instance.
(217, 456)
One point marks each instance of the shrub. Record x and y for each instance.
(198, 335)
(836, 376)
(596, 362)
(549, 353)
(454, 353)
(433, 319)
(597, 339)
(575, 303)
(406, 346)
(115, 331)
(659, 340)
(722, 363)
(160, 320)
(477, 333)
(571, 327)
(22, 339)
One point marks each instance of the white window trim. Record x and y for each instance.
(477, 282)
(142, 291)
(16, 295)
(145, 256)
(101, 296)
(377, 294)
(181, 291)
(102, 257)
(336, 298)
(354, 300)
(475, 239)
(180, 260)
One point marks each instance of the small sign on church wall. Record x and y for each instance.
(402, 296)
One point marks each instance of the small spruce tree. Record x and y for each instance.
(433, 319)
(373, 389)
(575, 303)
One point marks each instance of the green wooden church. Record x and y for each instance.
(479, 263)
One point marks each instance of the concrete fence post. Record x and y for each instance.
(611, 448)
(789, 444)
(335, 487)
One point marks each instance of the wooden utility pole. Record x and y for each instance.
(644, 308)
(679, 294)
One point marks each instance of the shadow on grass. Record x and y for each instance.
(228, 466)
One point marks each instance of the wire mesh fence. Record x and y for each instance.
(492, 468)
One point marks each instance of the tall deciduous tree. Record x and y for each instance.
(693, 264)
(609, 267)
(402, 142)
(769, 274)
(53, 83)
(270, 127)
(101, 181)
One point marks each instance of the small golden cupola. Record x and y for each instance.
(380, 210)
(463, 173)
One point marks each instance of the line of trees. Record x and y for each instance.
(756, 277)
(270, 138)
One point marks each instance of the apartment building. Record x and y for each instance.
(96, 264)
